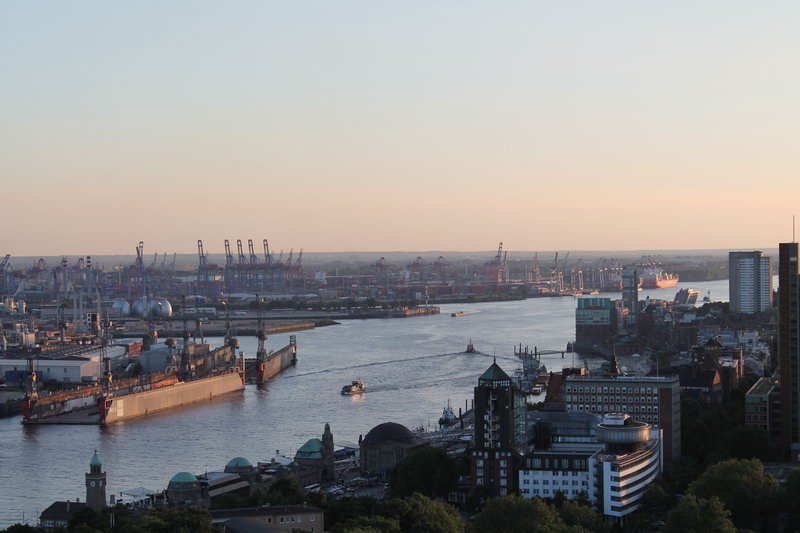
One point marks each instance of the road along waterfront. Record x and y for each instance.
(411, 367)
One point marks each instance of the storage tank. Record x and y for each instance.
(139, 308)
(161, 308)
(122, 307)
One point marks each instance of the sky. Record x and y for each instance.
(374, 125)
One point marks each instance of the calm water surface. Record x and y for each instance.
(411, 367)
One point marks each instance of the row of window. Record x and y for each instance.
(555, 463)
(547, 492)
(611, 399)
(614, 390)
(564, 482)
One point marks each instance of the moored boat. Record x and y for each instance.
(448, 417)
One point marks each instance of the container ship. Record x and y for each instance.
(655, 278)
(196, 373)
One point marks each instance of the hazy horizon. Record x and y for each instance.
(367, 126)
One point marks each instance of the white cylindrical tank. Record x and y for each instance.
(122, 306)
(139, 308)
(161, 308)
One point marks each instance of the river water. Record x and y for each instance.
(411, 368)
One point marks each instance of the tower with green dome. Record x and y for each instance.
(96, 484)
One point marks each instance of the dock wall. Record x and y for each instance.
(143, 403)
(279, 361)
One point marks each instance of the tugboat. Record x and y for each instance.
(448, 416)
(470, 348)
(356, 387)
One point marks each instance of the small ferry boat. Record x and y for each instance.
(448, 416)
(356, 387)
(470, 348)
(457, 314)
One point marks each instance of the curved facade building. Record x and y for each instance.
(630, 462)
(611, 464)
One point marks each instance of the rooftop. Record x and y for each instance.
(762, 386)
(626, 379)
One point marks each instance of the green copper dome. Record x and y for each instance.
(183, 477)
(95, 460)
(239, 462)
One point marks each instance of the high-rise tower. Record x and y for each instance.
(500, 432)
(96, 484)
(749, 282)
(789, 347)
(630, 296)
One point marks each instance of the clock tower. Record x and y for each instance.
(96, 484)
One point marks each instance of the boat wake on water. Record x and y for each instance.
(391, 362)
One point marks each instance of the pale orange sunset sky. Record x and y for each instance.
(367, 125)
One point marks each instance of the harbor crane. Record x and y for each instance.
(267, 255)
(140, 256)
(228, 256)
(242, 258)
(251, 249)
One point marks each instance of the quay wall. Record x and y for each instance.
(140, 404)
(279, 361)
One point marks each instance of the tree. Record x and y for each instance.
(678, 474)
(368, 524)
(575, 514)
(790, 500)
(339, 512)
(741, 484)
(22, 528)
(510, 514)
(428, 471)
(698, 515)
(419, 513)
(285, 491)
(88, 517)
(745, 442)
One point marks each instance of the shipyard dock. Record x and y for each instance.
(201, 374)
